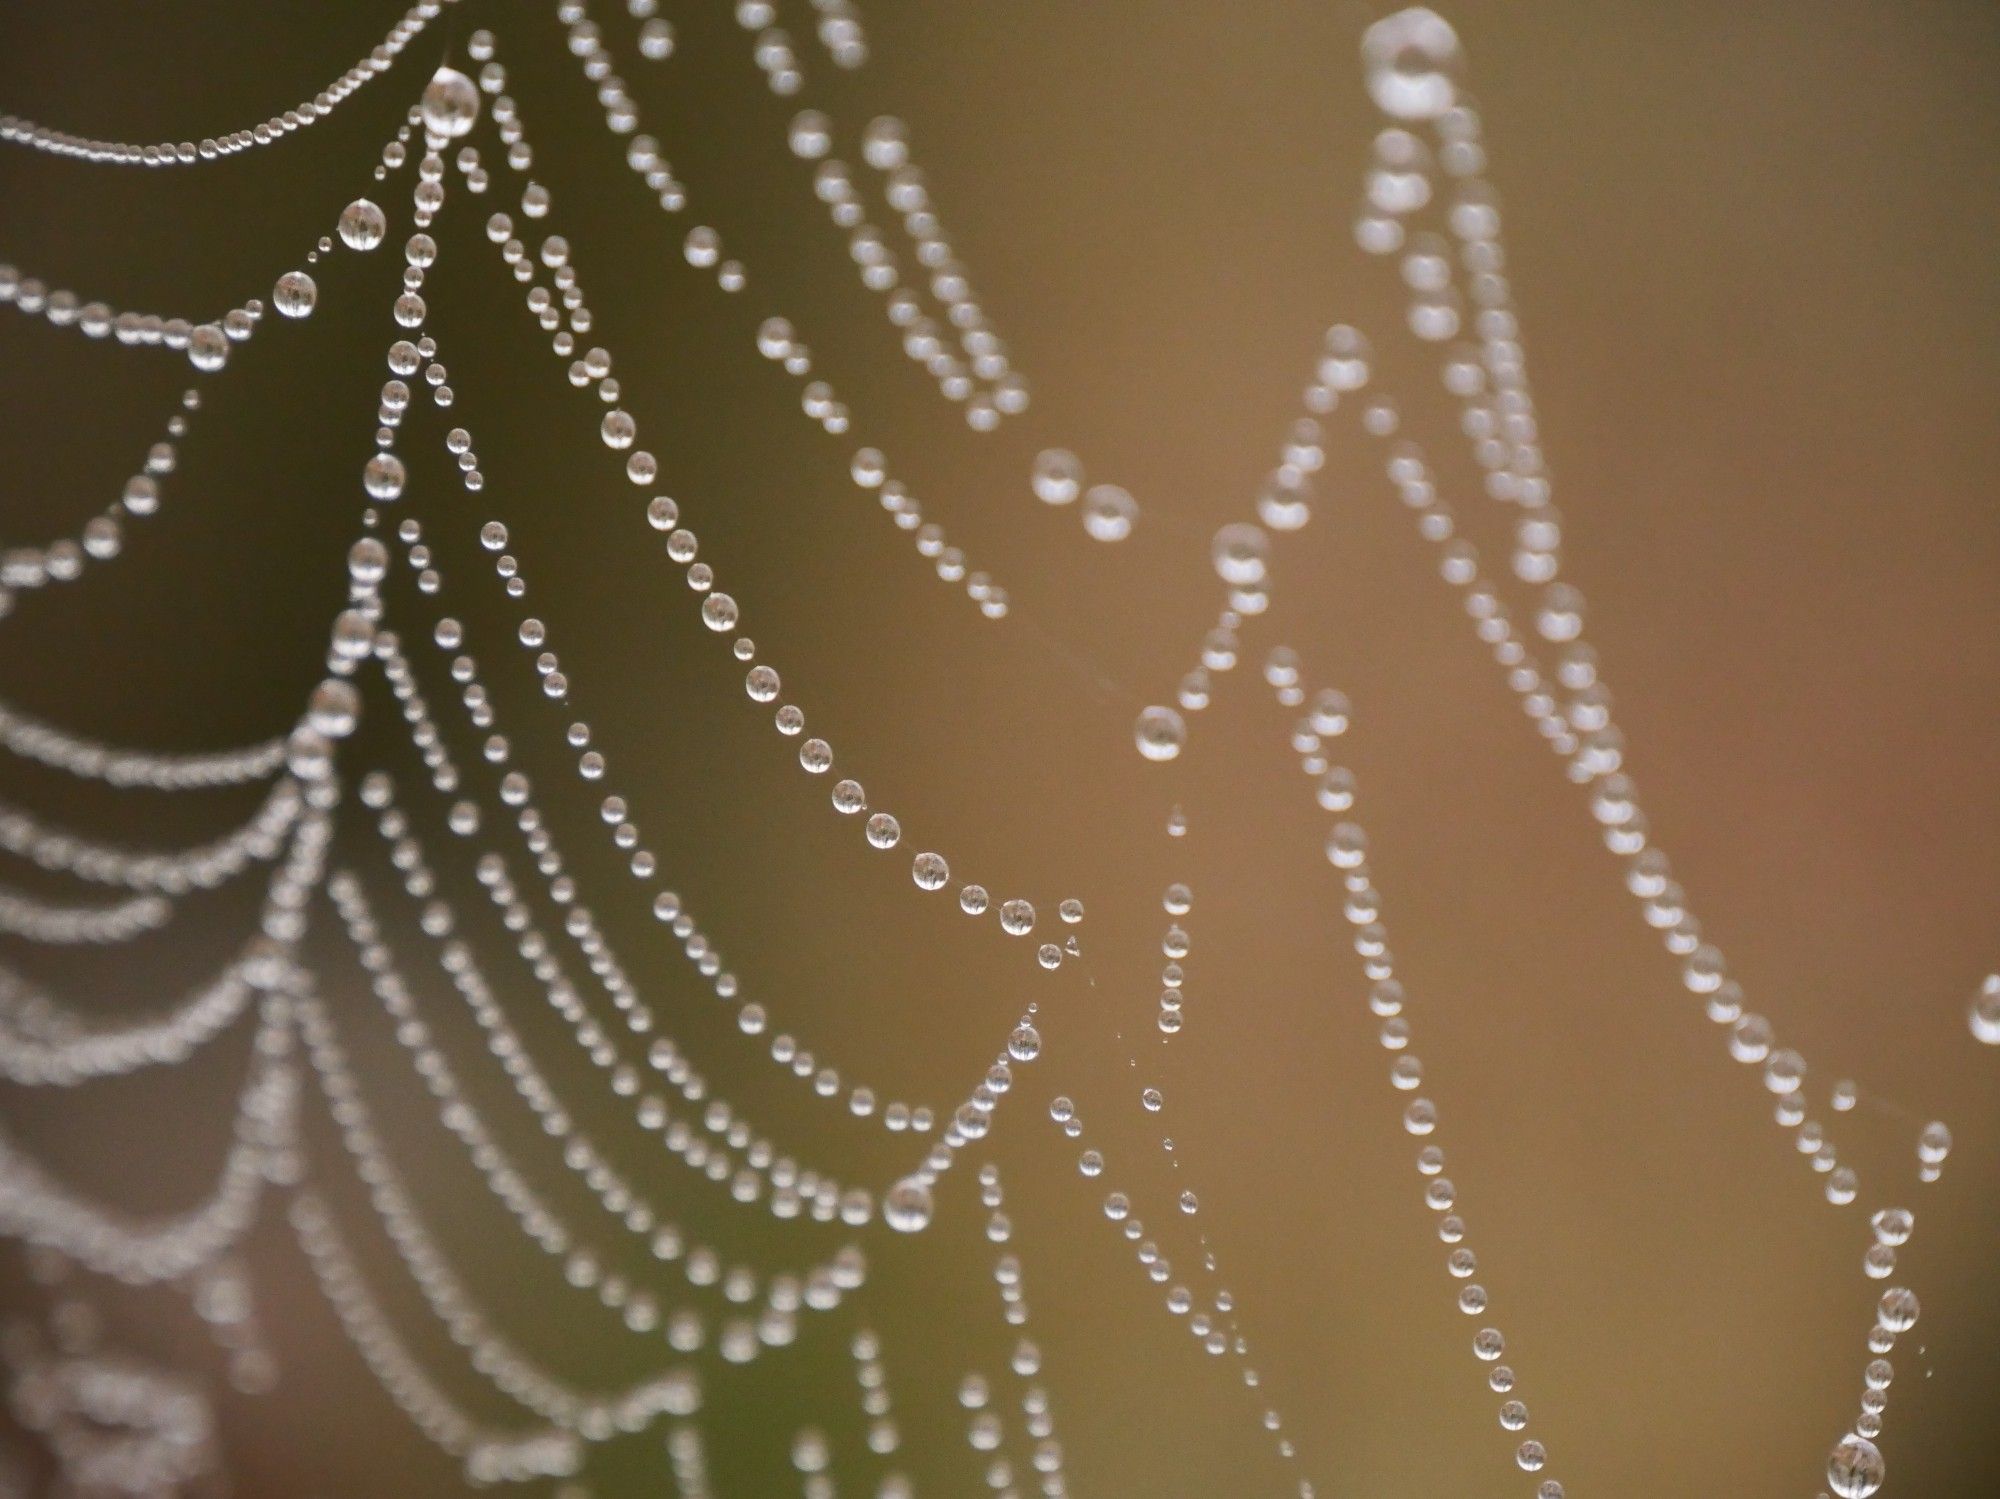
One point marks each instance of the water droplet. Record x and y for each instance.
(1409, 58)
(362, 225)
(1933, 1144)
(1241, 553)
(383, 476)
(1855, 1468)
(1160, 733)
(1893, 1225)
(810, 136)
(1347, 845)
(1898, 1309)
(295, 294)
(1109, 512)
(450, 104)
(1985, 1012)
(208, 350)
(1057, 477)
(906, 1207)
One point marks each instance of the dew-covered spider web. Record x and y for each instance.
(566, 1077)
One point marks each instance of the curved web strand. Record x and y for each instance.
(488, 1455)
(595, 1416)
(43, 922)
(45, 1042)
(135, 769)
(38, 1208)
(619, 820)
(18, 131)
(648, 1111)
(659, 1236)
(775, 336)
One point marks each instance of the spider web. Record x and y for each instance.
(467, 861)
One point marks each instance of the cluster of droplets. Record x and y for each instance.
(207, 344)
(593, 1416)
(542, 1450)
(223, 1297)
(114, 1422)
(771, 46)
(128, 769)
(928, 870)
(52, 925)
(1241, 551)
(978, 375)
(1046, 1456)
(839, 32)
(200, 867)
(45, 1212)
(384, 481)
(688, 1458)
(719, 611)
(1412, 59)
(1856, 1468)
(1174, 947)
(46, 1043)
(885, 1438)
(775, 335)
(791, 1190)
(662, 1240)
(616, 816)
(909, 1204)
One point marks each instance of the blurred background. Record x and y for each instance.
(1752, 252)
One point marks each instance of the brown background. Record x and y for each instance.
(1752, 248)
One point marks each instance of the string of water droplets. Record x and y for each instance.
(775, 335)
(47, 138)
(1411, 59)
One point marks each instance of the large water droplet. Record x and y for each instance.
(450, 104)
(1855, 1468)
(1160, 733)
(362, 225)
(906, 1207)
(295, 294)
(1240, 552)
(1409, 58)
